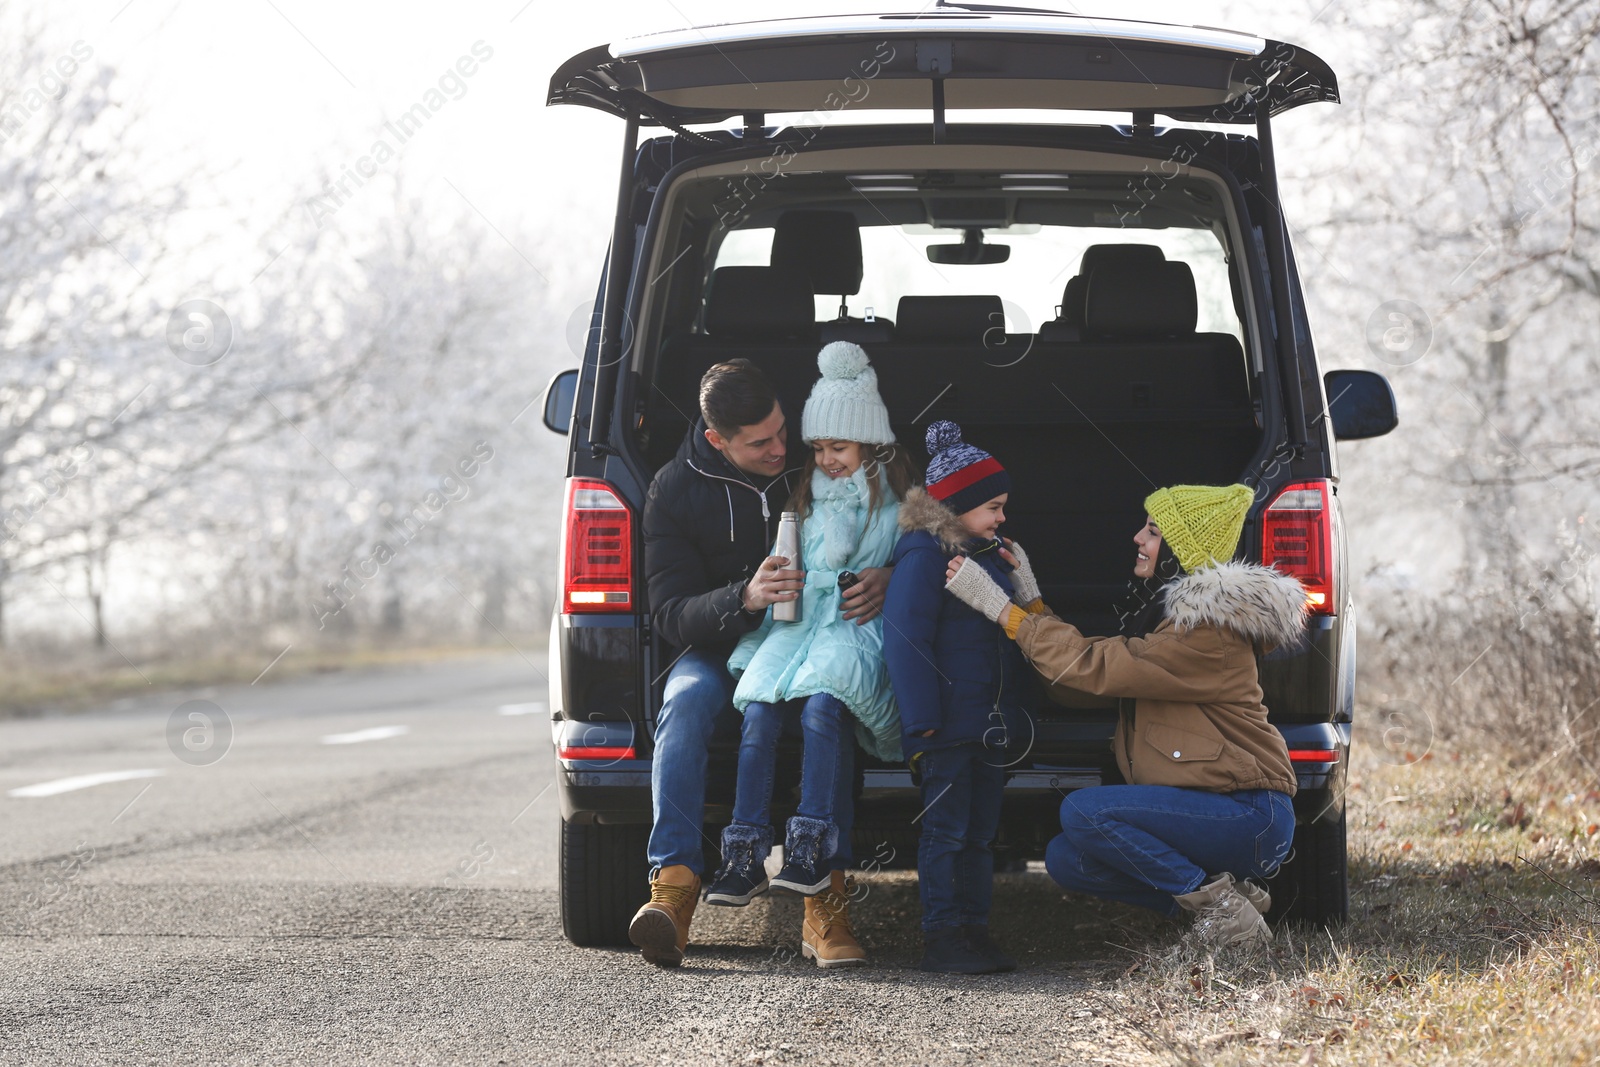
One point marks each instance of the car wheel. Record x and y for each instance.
(1313, 886)
(604, 879)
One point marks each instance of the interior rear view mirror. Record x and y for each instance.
(971, 251)
(558, 400)
(1360, 404)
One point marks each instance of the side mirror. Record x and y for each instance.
(1360, 404)
(558, 401)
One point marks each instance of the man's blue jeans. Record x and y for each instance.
(1145, 844)
(827, 765)
(962, 789)
(697, 705)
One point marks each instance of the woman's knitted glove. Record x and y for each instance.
(973, 587)
(1024, 584)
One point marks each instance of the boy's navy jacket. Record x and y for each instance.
(953, 670)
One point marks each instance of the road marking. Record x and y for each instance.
(81, 781)
(535, 708)
(376, 733)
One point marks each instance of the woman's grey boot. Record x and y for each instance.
(1223, 915)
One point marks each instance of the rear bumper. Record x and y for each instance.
(618, 790)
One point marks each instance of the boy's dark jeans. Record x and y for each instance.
(961, 790)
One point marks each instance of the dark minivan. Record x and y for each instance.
(1061, 232)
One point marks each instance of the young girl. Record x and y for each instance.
(824, 673)
(1208, 801)
(957, 681)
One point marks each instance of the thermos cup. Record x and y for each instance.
(788, 546)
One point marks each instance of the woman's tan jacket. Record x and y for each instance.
(1197, 719)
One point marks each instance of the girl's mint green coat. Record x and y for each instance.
(823, 652)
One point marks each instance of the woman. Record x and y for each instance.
(1210, 782)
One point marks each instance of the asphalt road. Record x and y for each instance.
(365, 871)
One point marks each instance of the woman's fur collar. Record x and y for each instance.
(1256, 602)
(920, 511)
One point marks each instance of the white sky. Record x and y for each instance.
(273, 89)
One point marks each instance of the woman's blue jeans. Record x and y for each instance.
(1145, 844)
(827, 764)
(962, 789)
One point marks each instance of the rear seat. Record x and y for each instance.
(1068, 323)
(825, 247)
(764, 314)
(1087, 429)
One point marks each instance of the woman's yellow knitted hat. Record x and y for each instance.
(1202, 523)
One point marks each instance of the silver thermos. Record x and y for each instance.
(788, 546)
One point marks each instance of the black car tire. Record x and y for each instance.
(1313, 886)
(604, 879)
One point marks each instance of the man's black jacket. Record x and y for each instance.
(707, 527)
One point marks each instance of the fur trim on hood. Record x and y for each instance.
(920, 511)
(1256, 602)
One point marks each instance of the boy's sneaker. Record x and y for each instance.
(807, 850)
(978, 937)
(743, 875)
(949, 952)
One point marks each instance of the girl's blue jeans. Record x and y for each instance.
(962, 787)
(827, 764)
(1145, 844)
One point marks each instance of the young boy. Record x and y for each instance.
(957, 681)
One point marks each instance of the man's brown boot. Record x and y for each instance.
(661, 927)
(1223, 915)
(826, 935)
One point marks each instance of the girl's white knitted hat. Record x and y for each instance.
(844, 405)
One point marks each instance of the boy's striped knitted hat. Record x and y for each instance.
(961, 476)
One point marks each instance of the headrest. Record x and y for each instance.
(1095, 257)
(948, 318)
(824, 246)
(1129, 301)
(1072, 300)
(759, 303)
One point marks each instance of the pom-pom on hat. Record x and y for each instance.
(844, 405)
(1202, 523)
(961, 476)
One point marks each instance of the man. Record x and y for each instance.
(709, 521)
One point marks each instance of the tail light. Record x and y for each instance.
(596, 550)
(1297, 539)
(1314, 755)
(611, 752)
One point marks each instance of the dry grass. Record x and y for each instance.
(1475, 890)
(1504, 658)
(34, 683)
